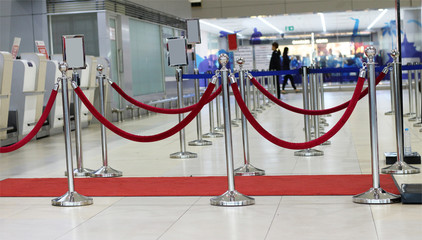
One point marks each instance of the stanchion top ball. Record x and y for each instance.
(370, 52)
(223, 59)
(100, 68)
(63, 66)
(394, 53)
(240, 61)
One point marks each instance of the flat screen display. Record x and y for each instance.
(176, 52)
(194, 33)
(74, 51)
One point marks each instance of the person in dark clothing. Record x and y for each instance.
(286, 66)
(275, 65)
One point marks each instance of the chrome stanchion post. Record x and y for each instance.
(322, 91)
(255, 101)
(71, 198)
(247, 169)
(260, 96)
(417, 117)
(231, 197)
(317, 119)
(307, 119)
(79, 171)
(219, 127)
(400, 167)
(199, 141)
(375, 195)
(418, 78)
(212, 133)
(410, 91)
(249, 97)
(183, 153)
(105, 170)
(391, 95)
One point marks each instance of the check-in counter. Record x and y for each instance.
(6, 67)
(28, 87)
(55, 118)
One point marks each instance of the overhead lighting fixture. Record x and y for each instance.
(324, 27)
(301, 42)
(377, 19)
(270, 25)
(215, 26)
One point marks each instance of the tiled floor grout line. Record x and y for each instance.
(373, 221)
(179, 218)
(272, 220)
(64, 234)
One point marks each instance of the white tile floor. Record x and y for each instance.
(275, 217)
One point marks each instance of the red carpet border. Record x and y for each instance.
(294, 185)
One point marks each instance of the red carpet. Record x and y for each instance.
(196, 186)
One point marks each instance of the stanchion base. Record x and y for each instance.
(183, 155)
(80, 172)
(326, 143)
(106, 171)
(262, 108)
(249, 170)
(420, 130)
(200, 142)
(414, 119)
(232, 199)
(376, 196)
(309, 153)
(408, 114)
(212, 135)
(419, 124)
(256, 111)
(389, 113)
(254, 114)
(72, 199)
(236, 120)
(400, 168)
(219, 129)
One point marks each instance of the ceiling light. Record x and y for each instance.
(324, 28)
(377, 19)
(270, 25)
(215, 26)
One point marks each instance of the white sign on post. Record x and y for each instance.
(177, 52)
(15, 47)
(194, 32)
(74, 51)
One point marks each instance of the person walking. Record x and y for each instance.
(275, 65)
(286, 66)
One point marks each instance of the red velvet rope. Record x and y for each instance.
(151, 138)
(161, 110)
(304, 145)
(311, 112)
(36, 128)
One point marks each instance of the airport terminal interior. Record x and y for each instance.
(210, 119)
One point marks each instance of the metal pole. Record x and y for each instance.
(212, 134)
(79, 171)
(105, 170)
(182, 139)
(255, 101)
(219, 127)
(307, 120)
(400, 167)
(247, 169)
(71, 198)
(231, 197)
(417, 117)
(375, 195)
(419, 81)
(259, 96)
(391, 94)
(320, 123)
(199, 141)
(410, 93)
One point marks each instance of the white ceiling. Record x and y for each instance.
(303, 23)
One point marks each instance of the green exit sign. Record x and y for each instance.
(289, 28)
